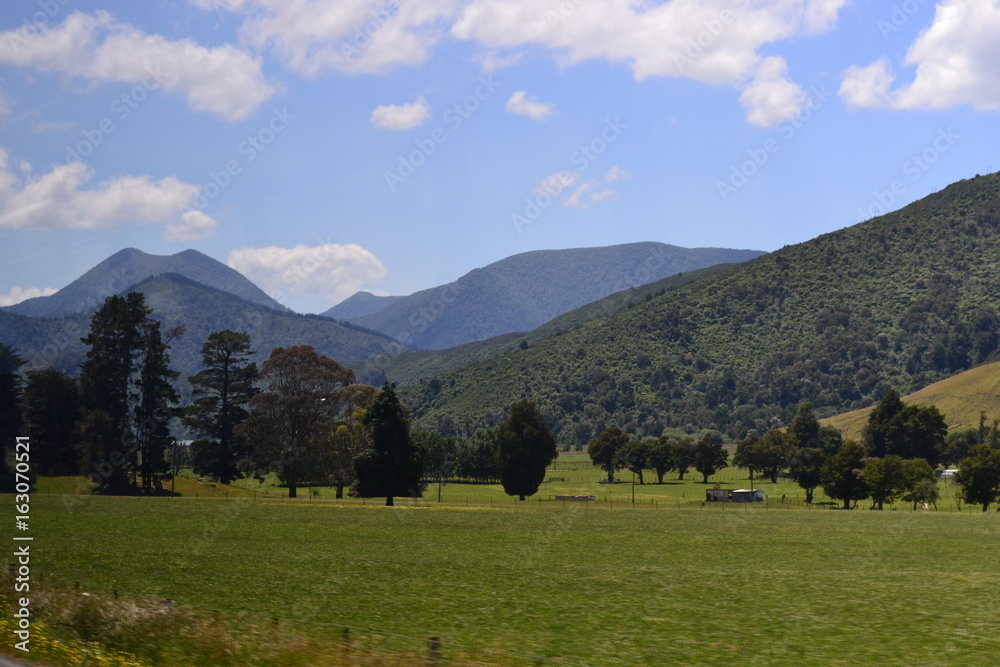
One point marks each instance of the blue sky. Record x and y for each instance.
(327, 147)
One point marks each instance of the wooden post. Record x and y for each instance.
(345, 643)
(434, 649)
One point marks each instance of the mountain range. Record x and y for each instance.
(523, 291)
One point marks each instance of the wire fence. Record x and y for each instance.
(353, 644)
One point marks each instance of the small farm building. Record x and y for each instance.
(718, 495)
(747, 495)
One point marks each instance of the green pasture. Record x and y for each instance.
(590, 583)
(571, 474)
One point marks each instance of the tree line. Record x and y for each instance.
(901, 447)
(301, 415)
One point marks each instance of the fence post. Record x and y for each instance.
(434, 649)
(345, 640)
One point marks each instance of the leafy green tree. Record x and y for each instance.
(395, 464)
(805, 465)
(50, 408)
(841, 476)
(804, 429)
(884, 478)
(605, 449)
(477, 459)
(343, 441)
(906, 430)
(661, 458)
(683, 451)
(979, 476)
(525, 448)
(709, 457)
(635, 457)
(304, 394)
(830, 439)
(221, 394)
(921, 485)
(747, 454)
(875, 434)
(957, 445)
(767, 454)
(917, 433)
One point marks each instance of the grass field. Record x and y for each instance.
(587, 582)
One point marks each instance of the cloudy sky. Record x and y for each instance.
(324, 147)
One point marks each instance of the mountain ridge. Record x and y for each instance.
(129, 267)
(523, 291)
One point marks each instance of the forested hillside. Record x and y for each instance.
(522, 292)
(899, 301)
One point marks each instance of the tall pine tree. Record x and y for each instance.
(221, 394)
(394, 464)
(126, 396)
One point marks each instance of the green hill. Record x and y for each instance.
(524, 291)
(900, 301)
(960, 398)
(129, 267)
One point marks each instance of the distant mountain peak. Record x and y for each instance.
(129, 267)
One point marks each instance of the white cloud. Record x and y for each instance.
(770, 97)
(554, 184)
(867, 86)
(193, 225)
(616, 173)
(57, 200)
(584, 192)
(712, 41)
(493, 61)
(224, 80)
(19, 294)
(955, 58)
(520, 104)
(357, 36)
(332, 270)
(401, 117)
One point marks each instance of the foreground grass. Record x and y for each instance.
(591, 584)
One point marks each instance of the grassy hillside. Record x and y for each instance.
(129, 267)
(960, 399)
(900, 301)
(522, 292)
